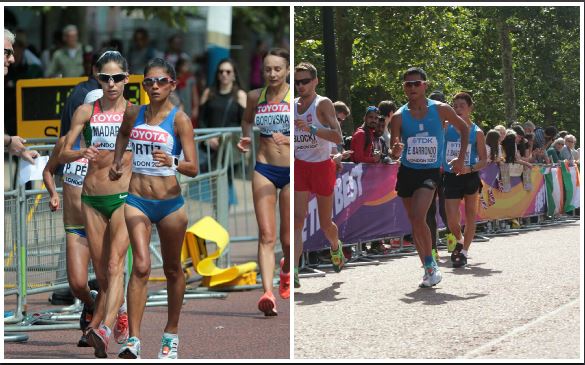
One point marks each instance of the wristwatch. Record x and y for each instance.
(175, 165)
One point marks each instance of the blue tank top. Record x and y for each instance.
(423, 139)
(145, 138)
(453, 145)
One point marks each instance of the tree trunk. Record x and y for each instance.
(507, 71)
(329, 53)
(344, 56)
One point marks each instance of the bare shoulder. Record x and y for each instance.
(324, 103)
(253, 96)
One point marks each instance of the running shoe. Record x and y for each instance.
(284, 286)
(168, 347)
(121, 328)
(337, 257)
(87, 312)
(296, 278)
(267, 304)
(83, 341)
(432, 277)
(99, 339)
(451, 242)
(131, 349)
(456, 252)
(460, 260)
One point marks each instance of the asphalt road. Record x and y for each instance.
(518, 298)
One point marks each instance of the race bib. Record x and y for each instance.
(78, 167)
(422, 150)
(453, 152)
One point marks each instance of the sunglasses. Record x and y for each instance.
(415, 83)
(162, 81)
(227, 72)
(8, 52)
(115, 77)
(303, 81)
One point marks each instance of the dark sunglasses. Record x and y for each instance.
(116, 77)
(227, 72)
(8, 52)
(415, 83)
(303, 81)
(162, 81)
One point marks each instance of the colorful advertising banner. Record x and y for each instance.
(366, 206)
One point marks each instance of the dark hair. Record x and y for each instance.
(161, 63)
(413, 71)
(308, 67)
(112, 56)
(141, 30)
(550, 131)
(214, 90)
(492, 139)
(280, 52)
(519, 130)
(464, 96)
(438, 95)
(180, 62)
(509, 146)
(386, 107)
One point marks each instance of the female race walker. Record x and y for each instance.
(269, 109)
(467, 185)
(158, 132)
(104, 221)
(76, 247)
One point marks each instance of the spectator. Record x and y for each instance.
(502, 130)
(342, 112)
(554, 151)
(175, 51)
(48, 53)
(568, 151)
(187, 89)
(68, 61)
(362, 141)
(387, 109)
(379, 141)
(140, 51)
(510, 149)
(493, 146)
(562, 134)
(522, 142)
(549, 137)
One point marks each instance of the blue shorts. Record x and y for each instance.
(155, 210)
(278, 175)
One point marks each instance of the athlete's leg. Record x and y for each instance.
(432, 221)
(264, 194)
(301, 206)
(77, 256)
(284, 207)
(139, 231)
(420, 203)
(96, 228)
(471, 202)
(325, 208)
(119, 243)
(171, 231)
(454, 217)
(407, 202)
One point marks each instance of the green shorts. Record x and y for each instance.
(105, 204)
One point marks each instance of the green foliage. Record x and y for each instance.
(460, 49)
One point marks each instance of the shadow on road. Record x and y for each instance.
(430, 296)
(326, 295)
(473, 269)
(255, 315)
(65, 354)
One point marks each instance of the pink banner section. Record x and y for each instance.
(366, 206)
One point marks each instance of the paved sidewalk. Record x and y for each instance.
(518, 298)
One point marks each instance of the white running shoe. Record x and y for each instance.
(131, 349)
(168, 346)
(431, 278)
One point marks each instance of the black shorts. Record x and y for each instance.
(457, 186)
(409, 180)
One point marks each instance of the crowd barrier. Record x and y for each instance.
(34, 237)
(366, 206)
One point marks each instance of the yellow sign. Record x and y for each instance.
(40, 103)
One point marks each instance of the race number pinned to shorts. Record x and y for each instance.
(453, 151)
(422, 150)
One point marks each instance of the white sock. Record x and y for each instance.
(464, 252)
(123, 308)
(170, 335)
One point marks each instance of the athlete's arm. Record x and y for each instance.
(395, 128)
(189, 166)
(481, 151)
(248, 121)
(48, 173)
(446, 112)
(130, 115)
(326, 115)
(81, 115)
(242, 98)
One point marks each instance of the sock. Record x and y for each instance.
(464, 252)
(429, 261)
(170, 335)
(123, 308)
